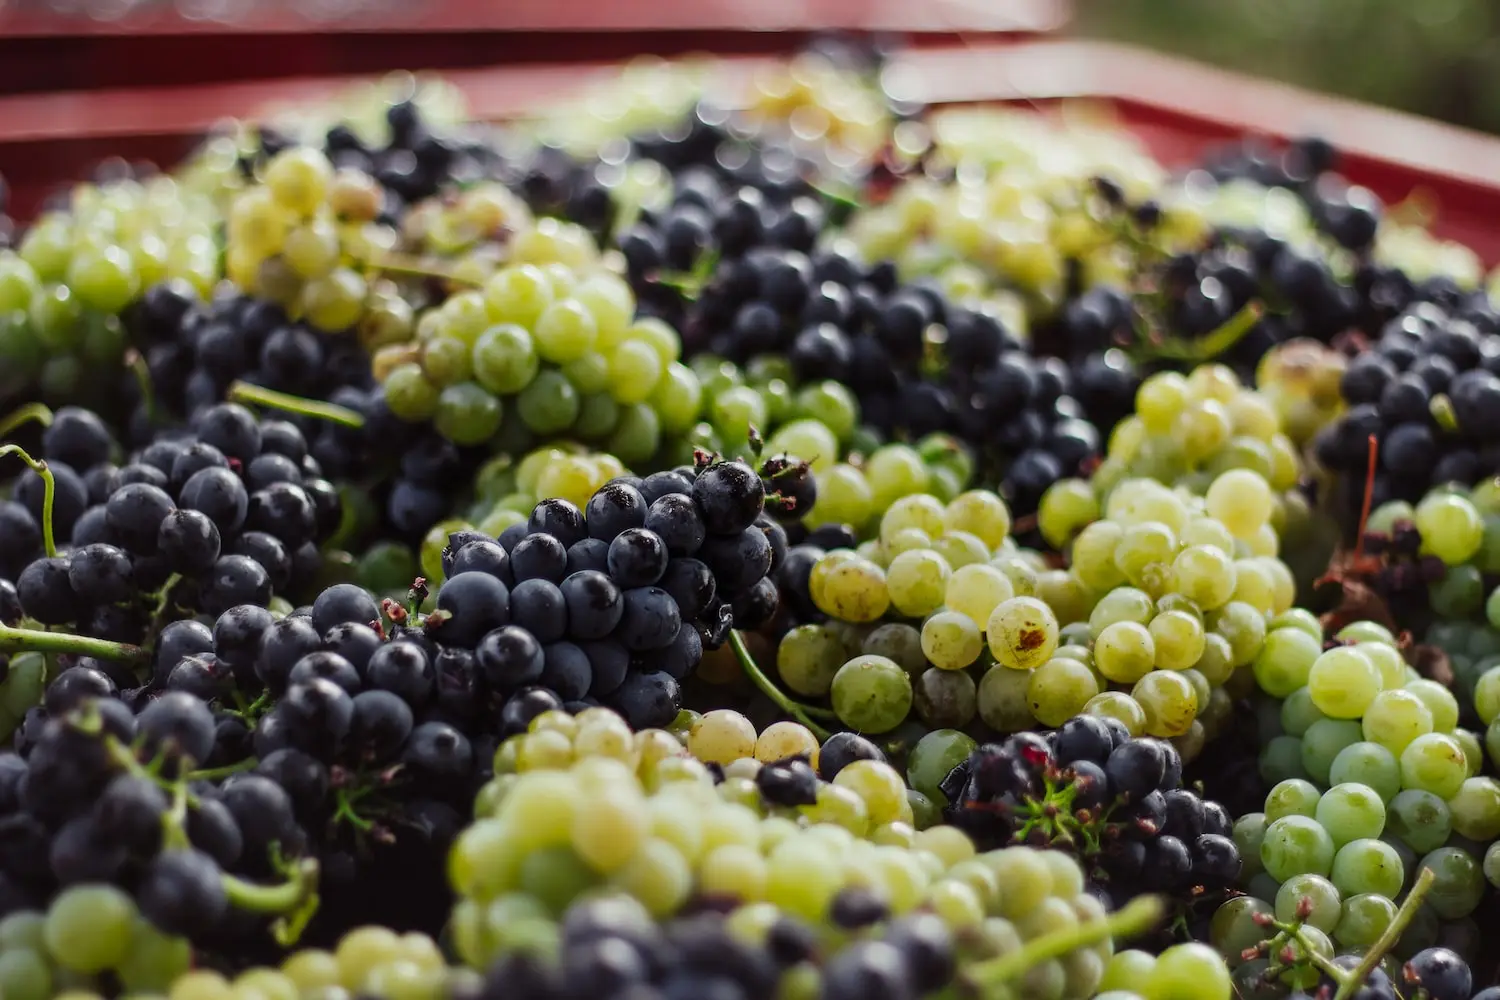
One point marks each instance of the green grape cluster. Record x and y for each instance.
(372, 961)
(75, 270)
(90, 933)
(1373, 780)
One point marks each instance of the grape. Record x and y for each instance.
(1285, 661)
(1439, 701)
(1420, 819)
(871, 694)
(807, 659)
(1295, 845)
(1351, 812)
(1323, 898)
(1292, 797)
(918, 582)
(722, 736)
(1178, 638)
(1343, 682)
(1434, 762)
(1022, 633)
(1458, 882)
(935, 755)
(1189, 971)
(1059, 689)
(1169, 701)
(1125, 652)
(975, 591)
(1368, 764)
(1365, 917)
(88, 927)
(1241, 500)
(951, 640)
(851, 589)
(1451, 528)
(1395, 718)
(1475, 810)
(1323, 742)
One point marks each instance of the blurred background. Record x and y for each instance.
(1439, 58)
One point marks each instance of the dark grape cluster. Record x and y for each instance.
(618, 599)
(100, 793)
(229, 511)
(610, 949)
(1117, 800)
(1428, 390)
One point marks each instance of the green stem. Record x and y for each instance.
(22, 416)
(295, 901)
(244, 392)
(412, 267)
(174, 820)
(1353, 980)
(49, 489)
(757, 676)
(13, 639)
(1138, 916)
(214, 773)
(137, 365)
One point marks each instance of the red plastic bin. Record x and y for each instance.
(1176, 107)
(158, 46)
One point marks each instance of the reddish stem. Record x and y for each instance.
(1364, 513)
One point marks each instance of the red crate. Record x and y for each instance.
(42, 52)
(1178, 108)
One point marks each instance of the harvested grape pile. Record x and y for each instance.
(766, 543)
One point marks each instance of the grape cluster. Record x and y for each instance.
(1426, 391)
(1374, 781)
(1115, 799)
(229, 512)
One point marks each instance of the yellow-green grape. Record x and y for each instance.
(1205, 575)
(722, 736)
(298, 178)
(1168, 700)
(1395, 718)
(851, 589)
(975, 591)
(781, 740)
(918, 510)
(1343, 682)
(959, 549)
(1178, 637)
(1119, 706)
(1094, 555)
(980, 513)
(1451, 528)
(880, 787)
(1068, 506)
(1059, 689)
(951, 640)
(1022, 633)
(1124, 652)
(1145, 555)
(1241, 499)
(1208, 531)
(1439, 701)
(917, 582)
(1160, 399)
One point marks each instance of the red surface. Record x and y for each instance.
(42, 52)
(1178, 108)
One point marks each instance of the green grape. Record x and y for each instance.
(1420, 819)
(1145, 555)
(154, 959)
(467, 414)
(1439, 701)
(1123, 604)
(871, 694)
(1492, 864)
(505, 359)
(844, 497)
(1065, 509)
(1395, 718)
(1475, 810)
(1297, 711)
(895, 471)
(1241, 499)
(1323, 741)
(935, 755)
(950, 640)
(1248, 833)
(1434, 762)
(677, 399)
(961, 549)
(25, 975)
(1458, 883)
(1343, 682)
(1280, 759)
(104, 279)
(550, 404)
(1368, 764)
(1119, 706)
(1243, 626)
(1451, 528)
(807, 658)
(1365, 917)
(1169, 701)
(1124, 652)
(1131, 967)
(1179, 639)
(975, 591)
(1059, 689)
(1292, 797)
(1351, 812)
(1190, 971)
(565, 331)
(635, 368)
(1093, 555)
(88, 927)
(637, 434)
(1217, 661)
(918, 582)
(1389, 662)
(852, 590)
(1459, 594)
(832, 405)
(1322, 897)
(1022, 633)
(1284, 663)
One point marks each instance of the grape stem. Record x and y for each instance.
(1139, 915)
(244, 392)
(49, 487)
(137, 365)
(1351, 981)
(757, 676)
(295, 900)
(412, 267)
(23, 415)
(1364, 510)
(224, 771)
(13, 638)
